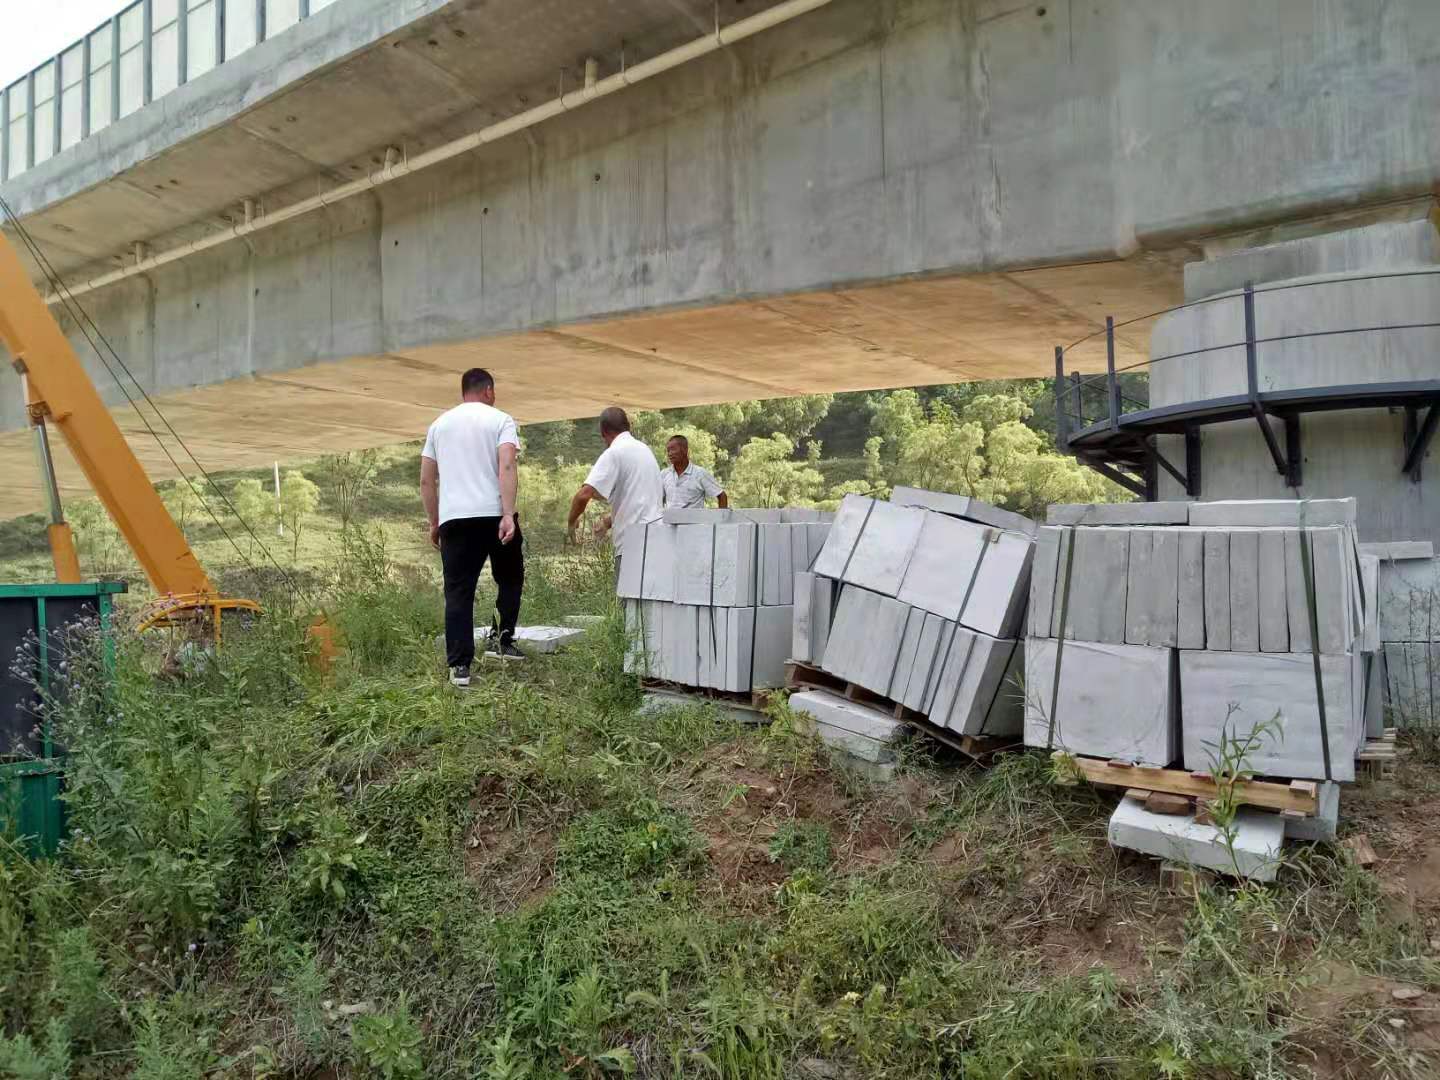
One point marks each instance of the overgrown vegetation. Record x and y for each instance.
(274, 872)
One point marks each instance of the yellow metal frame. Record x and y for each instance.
(59, 391)
(192, 609)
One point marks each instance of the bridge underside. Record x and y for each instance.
(875, 194)
(906, 333)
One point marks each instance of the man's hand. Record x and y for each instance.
(577, 510)
(435, 536)
(600, 528)
(507, 528)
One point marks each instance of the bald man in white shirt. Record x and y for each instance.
(625, 476)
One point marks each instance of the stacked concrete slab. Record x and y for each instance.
(1140, 610)
(710, 594)
(920, 600)
(1408, 628)
(1157, 630)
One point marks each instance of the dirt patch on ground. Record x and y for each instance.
(740, 802)
(878, 828)
(1398, 816)
(1341, 1009)
(510, 860)
(1069, 900)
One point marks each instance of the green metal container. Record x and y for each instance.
(32, 621)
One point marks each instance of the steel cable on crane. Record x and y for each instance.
(83, 320)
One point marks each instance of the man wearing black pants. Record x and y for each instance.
(469, 479)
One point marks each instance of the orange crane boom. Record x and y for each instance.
(59, 391)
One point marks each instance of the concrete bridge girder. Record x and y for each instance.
(878, 194)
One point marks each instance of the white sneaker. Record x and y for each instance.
(460, 676)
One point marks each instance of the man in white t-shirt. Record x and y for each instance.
(625, 476)
(469, 478)
(686, 484)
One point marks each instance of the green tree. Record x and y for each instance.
(736, 422)
(346, 478)
(98, 542)
(873, 483)
(254, 505)
(986, 451)
(184, 502)
(299, 498)
(940, 454)
(896, 416)
(733, 423)
(766, 474)
(561, 442)
(544, 499)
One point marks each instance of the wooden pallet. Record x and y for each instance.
(1300, 797)
(979, 747)
(1377, 758)
(1180, 880)
(801, 676)
(751, 700)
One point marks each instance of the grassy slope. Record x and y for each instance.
(278, 875)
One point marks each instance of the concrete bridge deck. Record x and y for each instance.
(877, 193)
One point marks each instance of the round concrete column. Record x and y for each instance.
(1333, 328)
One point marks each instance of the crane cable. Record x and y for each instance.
(82, 321)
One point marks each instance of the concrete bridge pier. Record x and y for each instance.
(1303, 365)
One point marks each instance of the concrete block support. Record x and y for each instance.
(694, 558)
(1099, 579)
(772, 646)
(1134, 513)
(1139, 588)
(658, 582)
(865, 638)
(1043, 570)
(1164, 588)
(1254, 852)
(1322, 827)
(962, 506)
(814, 597)
(733, 571)
(936, 638)
(863, 732)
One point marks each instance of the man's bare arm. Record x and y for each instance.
(430, 495)
(509, 489)
(579, 503)
(723, 501)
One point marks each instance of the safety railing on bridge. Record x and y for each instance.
(1102, 420)
(143, 53)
